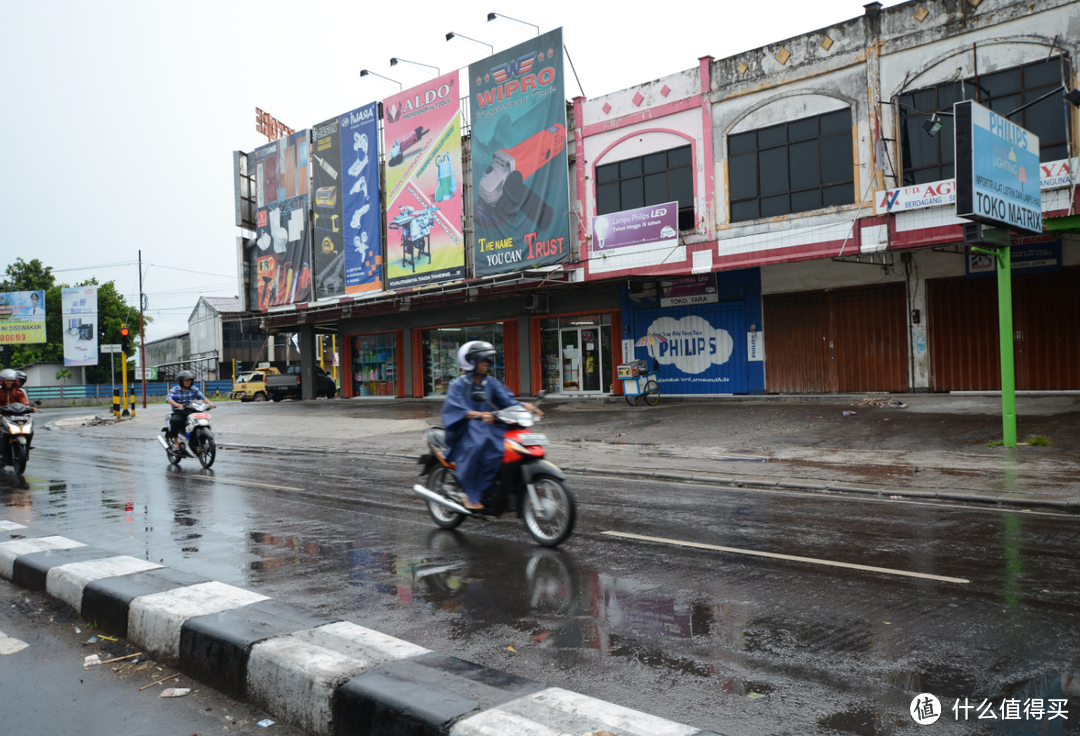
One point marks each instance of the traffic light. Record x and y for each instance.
(125, 343)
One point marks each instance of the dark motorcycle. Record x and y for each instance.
(197, 439)
(16, 435)
(527, 484)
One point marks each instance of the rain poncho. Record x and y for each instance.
(476, 447)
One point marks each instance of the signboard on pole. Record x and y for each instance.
(997, 170)
(22, 317)
(422, 133)
(79, 310)
(110, 348)
(519, 167)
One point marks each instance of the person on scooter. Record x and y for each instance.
(183, 392)
(11, 390)
(475, 441)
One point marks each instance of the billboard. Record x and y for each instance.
(360, 197)
(519, 168)
(422, 134)
(22, 317)
(998, 180)
(78, 306)
(637, 237)
(282, 237)
(327, 221)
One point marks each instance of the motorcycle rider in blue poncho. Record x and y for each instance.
(474, 439)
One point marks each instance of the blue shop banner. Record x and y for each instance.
(1030, 254)
(703, 350)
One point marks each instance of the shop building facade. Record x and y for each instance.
(812, 245)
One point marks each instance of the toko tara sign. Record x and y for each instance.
(997, 170)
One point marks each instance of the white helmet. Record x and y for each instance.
(471, 353)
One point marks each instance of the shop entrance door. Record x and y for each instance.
(581, 359)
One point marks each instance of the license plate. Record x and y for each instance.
(533, 439)
(200, 416)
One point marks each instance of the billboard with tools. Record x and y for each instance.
(360, 200)
(519, 168)
(422, 135)
(282, 251)
(346, 232)
(327, 227)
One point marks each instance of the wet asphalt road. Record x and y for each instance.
(721, 640)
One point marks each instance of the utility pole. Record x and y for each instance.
(142, 333)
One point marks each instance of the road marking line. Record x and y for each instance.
(793, 558)
(9, 645)
(244, 482)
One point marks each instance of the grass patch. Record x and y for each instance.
(1035, 440)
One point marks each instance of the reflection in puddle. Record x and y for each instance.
(863, 722)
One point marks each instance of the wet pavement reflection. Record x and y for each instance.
(723, 642)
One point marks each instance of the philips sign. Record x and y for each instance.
(997, 170)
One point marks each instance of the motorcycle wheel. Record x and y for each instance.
(207, 452)
(552, 523)
(174, 457)
(18, 457)
(438, 480)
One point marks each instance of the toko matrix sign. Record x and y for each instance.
(997, 170)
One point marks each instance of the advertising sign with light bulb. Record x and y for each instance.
(633, 237)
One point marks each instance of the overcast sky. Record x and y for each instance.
(121, 117)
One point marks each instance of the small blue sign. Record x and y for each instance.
(1034, 254)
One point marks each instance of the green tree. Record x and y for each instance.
(63, 375)
(113, 311)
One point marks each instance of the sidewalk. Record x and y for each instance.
(936, 445)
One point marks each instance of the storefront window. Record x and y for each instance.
(440, 353)
(575, 354)
(374, 365)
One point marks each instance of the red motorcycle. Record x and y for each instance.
(527, 483)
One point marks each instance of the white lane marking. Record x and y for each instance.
(5, 525)
(9, 645)
(792, 558)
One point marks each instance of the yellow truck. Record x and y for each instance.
(251, 386)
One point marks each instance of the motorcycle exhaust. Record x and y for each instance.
(419, 490)
(161, 439)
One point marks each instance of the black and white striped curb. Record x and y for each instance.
(319, 673)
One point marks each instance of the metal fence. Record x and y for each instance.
(105, 390)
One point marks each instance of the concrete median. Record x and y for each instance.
(318, 673)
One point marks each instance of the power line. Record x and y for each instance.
(188, 270)
(91, 268)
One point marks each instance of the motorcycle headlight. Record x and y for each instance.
(19, 429)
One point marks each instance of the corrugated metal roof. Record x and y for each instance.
(223, 303)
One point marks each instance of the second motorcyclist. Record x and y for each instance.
(474, 439)
(11, 391)
(182, 393)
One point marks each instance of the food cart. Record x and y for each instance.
(639, 383)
